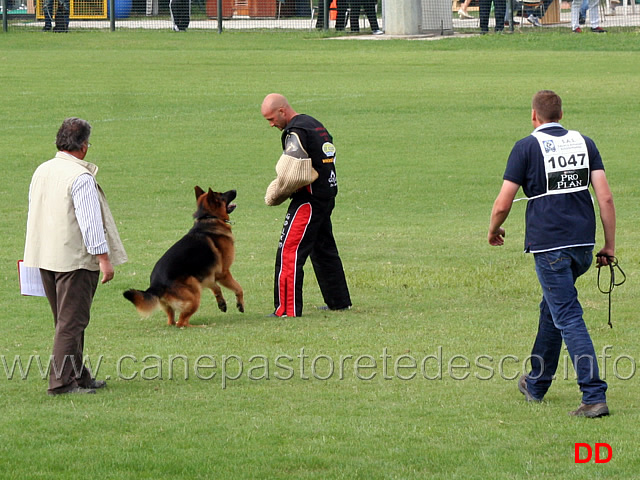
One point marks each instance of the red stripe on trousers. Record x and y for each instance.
(288, 258)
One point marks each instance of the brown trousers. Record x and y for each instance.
(70, 296)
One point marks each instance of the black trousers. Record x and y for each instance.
(499, 9)
(308, 231)
(369, 10)
(180, 13)
(70, 296)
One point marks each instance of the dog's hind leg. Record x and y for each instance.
(222, 303)
(189, 302)
(226, 280)
(171, 314)
(185, 315)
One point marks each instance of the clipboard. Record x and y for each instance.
(30, 281)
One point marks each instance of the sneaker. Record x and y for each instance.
(277, 316)
(577, 30)
(582, 20)
(377, 32)
(506, 24)
(464, 15)
(522, 386)
(598, 30)
(534, 21)
(591, 411)
(326, 307)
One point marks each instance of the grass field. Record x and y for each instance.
(419, 379)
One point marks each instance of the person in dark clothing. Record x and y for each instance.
(306, 173)
(500, 7)
(180, 14)
(61, 16)
(369, 10)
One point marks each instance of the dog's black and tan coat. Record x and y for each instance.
(201, 258)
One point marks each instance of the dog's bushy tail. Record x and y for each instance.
(145, 302)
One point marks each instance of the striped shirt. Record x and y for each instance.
(84, 193)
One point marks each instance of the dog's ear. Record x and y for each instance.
(199, 192)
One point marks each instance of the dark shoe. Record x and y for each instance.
(522, 386)
(577, 30)
(598, 30)
(46, 28)
(591, 411)
(96, 384)
(326, 307)
(506, 24)
(277, 316)
(582, 20)
(75, 390)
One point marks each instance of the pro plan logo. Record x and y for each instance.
(586, 450)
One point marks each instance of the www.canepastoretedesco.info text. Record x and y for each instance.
(227, 368)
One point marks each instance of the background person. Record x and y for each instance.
(555, 167)
(500, 7)
(369, 7)
(71, 237)
(61, 16)
(307, 174)
(594, 16)
(180, 14)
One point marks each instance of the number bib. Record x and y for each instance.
(566, 162)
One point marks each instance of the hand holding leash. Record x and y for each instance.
(603, 259)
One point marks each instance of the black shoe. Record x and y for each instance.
(277, 316)
(96, 384)
(582, 20)
(75, 390)
(46, 28)
(591, 411)
(522, 386)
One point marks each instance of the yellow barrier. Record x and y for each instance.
(78, 9)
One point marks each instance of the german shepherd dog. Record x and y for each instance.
(201, 258)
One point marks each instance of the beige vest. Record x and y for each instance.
(54, 240)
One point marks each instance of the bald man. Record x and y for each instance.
(306, 174)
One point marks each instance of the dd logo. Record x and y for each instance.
(597, 448)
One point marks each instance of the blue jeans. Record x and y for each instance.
(561, 319)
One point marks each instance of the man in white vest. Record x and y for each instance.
(71, 237)
(555, 168)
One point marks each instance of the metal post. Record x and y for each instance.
(325, 8)
(5, 14)
(112, 15)
(512, 4)
(219, 16)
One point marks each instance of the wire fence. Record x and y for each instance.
(344, 15)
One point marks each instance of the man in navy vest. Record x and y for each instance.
(555, 168)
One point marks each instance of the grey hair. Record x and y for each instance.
(73, 134)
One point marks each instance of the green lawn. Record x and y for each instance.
(419, 379)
